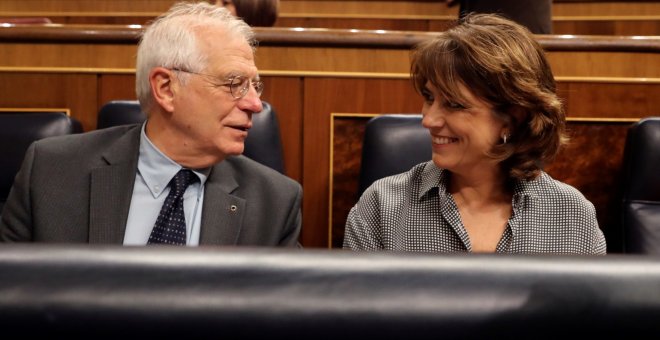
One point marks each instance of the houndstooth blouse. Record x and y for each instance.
(413, 211)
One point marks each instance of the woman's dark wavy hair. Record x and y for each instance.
(501, 63)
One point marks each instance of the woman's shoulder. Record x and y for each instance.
(556, 192)
(418, 177)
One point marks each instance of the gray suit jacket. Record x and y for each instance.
(78, 188)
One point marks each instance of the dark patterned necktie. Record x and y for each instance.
(170, 227)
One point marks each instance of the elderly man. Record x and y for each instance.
(179, 177)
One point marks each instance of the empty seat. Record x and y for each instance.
(393, 143)
(263, 143)
(17, 131)
(641, 188)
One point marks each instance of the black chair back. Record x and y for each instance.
(263, 143)
(17, 131)
(641, 188)
(393, 144)
(120, 112)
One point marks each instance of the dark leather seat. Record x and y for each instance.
(17, 131)
(641, 188)
(120, 112)
(166, 292)
(393, 144)
(263, 143)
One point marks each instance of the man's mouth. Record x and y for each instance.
(240, 127)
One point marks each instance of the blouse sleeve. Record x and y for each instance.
(362, 231)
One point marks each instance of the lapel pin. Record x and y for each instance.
(232, 208)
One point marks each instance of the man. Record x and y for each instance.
(197, 81)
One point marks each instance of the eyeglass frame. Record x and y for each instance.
(229, 82)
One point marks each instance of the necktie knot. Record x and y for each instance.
(181, 181)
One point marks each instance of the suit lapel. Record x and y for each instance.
(111, 189)
(222, 213)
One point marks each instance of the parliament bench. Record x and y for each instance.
(113, 291)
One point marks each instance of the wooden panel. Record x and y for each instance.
(339, 95)
(595, 172)
(605, 8)
(611, 26)
(68, 55)
(592, 163)
(285, 94)
(376, 8)
(333, 59)
(58, 6)
(356, 23)
(348, 133)
(116, 87)
(604, 64)
(568, 25)
(620, 18)
(121, 57)
(76, 92)
(604, 99)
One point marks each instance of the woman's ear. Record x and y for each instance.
(518, 115)
(162, 83)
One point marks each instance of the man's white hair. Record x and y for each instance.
(170, 41)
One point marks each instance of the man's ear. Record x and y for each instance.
(162, 87)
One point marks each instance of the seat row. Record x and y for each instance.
(392, 144)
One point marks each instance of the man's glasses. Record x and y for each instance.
(238, 85)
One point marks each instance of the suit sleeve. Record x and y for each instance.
(293, 222)
(16, 221)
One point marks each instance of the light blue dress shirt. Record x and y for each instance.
(155, 170)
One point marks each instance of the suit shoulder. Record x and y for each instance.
(92, 139)
(250, 170)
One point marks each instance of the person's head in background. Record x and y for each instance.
(491, 64)
(256, 13)
(197, 81)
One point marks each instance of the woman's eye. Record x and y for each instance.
(428, 96)
(454, 106)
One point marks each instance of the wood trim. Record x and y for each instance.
(35, 109)
(313, 74)
(602, 120)
(278, 36)
(84, 70)
(331, 162)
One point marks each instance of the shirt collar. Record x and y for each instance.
(157, 169)
(434, 177)
(529, 188)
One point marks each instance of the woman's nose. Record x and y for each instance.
(433, 117)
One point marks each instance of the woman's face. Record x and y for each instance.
(228, 4)
(461, 133)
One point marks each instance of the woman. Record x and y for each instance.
(254, 12)
(494, 118)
